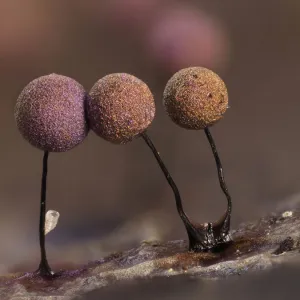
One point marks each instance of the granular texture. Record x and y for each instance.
(120, 107)
(50, 113)
(195, 98)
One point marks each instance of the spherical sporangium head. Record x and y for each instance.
(195, 98)
(50, 113)
(120, 108)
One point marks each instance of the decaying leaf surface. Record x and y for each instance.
(256, 246)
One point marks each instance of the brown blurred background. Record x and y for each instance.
(112, 197)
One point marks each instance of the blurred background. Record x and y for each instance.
(112, 197)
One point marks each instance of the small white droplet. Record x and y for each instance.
(287, 214)
(52, 217)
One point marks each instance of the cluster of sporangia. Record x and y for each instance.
(54, 113)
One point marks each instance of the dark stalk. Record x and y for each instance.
(223, 226)
(44, 268)
(202, 237)
(197, 236)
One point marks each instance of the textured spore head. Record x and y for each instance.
(195, 98)
(120, 107)
(50, 113)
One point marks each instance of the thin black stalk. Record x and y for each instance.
(227, 216)
(167, 175)
(44, 268)
(196, 235)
